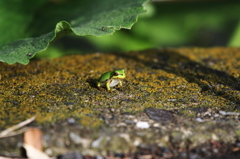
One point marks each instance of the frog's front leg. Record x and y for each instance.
(120, 83)
(108, 85)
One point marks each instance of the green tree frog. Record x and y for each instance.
(111, 79)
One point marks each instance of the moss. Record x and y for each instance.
(166, 78)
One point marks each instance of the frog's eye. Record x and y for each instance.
(115, 74)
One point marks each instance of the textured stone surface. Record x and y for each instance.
(195, 92)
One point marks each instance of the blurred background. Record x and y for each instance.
(179, 23)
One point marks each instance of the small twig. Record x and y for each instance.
(11, 131)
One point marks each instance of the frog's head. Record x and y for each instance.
(119, 74)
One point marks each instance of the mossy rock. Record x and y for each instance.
(188, 82)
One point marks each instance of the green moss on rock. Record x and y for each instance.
(166, 78)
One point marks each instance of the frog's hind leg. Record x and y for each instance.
(98, 85)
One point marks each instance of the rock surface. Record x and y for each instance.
(174, 103)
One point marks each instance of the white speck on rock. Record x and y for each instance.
(96, 143)
(223, 112)
(122, 124)
(79, 140)
(143, 125)
(156, 125)
(125, 136)
(49, 152)
(75, 138)
(71, 120)
(214, 137)
(199, 119)
(100, 157)
(137, 141)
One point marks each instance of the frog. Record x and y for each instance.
(111, 79)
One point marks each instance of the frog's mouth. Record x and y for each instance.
(121, 76)
(117, 75)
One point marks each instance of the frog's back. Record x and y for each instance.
(105, 76)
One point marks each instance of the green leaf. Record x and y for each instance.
(16, 15)
(83, 18)
(235, 39)
(176, 25)
(23, 50)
